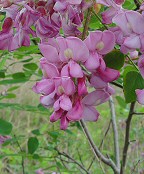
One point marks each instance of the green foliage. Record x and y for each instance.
(121, 101)
(31, 66)
(18, 75)
(5, 127)
(132, 81)
(114, 59)
(33, 144)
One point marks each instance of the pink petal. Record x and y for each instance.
(55, 116)
(64, 123)
(82, 88)
(97, 82)
(56, 105)
(109, 75)
(77, 48)
(135, 18)
(141, 65)
(65, 103)
(92, 62)
(140, 96)
(47, 100)
(49, 69)
(95, 98)
(75, 69)
(132, 42)
(68, 85)
(49, 52)
(75, 113)
(45, 87)
(108, 38)
(121, 21)
(90, 113)
(92, 39)
(65, 71)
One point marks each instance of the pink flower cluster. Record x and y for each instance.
(129, 33)
(69, 67)
(47, 17)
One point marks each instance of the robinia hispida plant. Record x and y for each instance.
(76, 58)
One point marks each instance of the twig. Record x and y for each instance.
(133, 170)
(87, 20)
(100, 20)
(69, 157)
(115, 132)
(137, 3)
(96, 151)
(133, 63)
(138, 113)
(22, 163)
(116, 84)
(127, 136)
(105, 134)
(79, 155)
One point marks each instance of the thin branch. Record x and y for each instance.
(100, 20)
(138, 113)
(137, 3)
(135, 166)
(133, 63)
(115, 132)
(70, 158)
(79, 155)
(22, 162)
(96, 151)
(105, 134)
(116, 84)
(87, 20)
(101, 144)
(127, 137)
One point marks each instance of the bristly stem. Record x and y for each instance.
(86, 24)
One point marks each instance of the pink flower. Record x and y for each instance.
(100, 42)
(141, 65)
(4, 138)
(6, 35)
(140, 96)
(39, 171)
(128, 20)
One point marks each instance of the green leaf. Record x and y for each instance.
(18, 75)
(54, 134)
(5, 127)
(33, 144)
(13, 88)
(36, 132)
(17, 106)
(12, 81)
(2, 74)
(10, 95)
(36, 156)
(31, 66)
(2, 63)
(128, 69)
(114, 59)
(121, 102)
(132, 81)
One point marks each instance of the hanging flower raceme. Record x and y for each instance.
(68, 71)
(48, 17)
